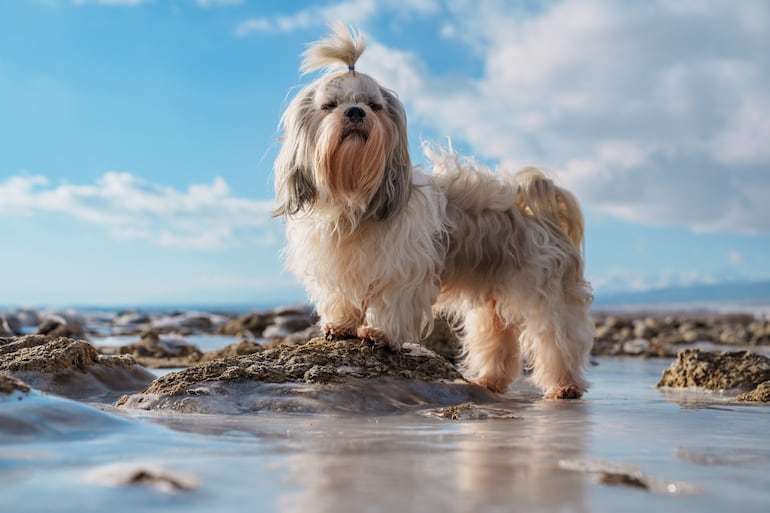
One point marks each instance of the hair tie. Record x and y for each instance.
(351, 68)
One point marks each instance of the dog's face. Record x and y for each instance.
(344, 150)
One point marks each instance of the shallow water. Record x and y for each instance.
(211, 342)
(694, 451)
(204, 342)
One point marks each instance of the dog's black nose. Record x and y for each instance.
(355, 114)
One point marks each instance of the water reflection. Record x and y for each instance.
(514, 465)
(404, 462)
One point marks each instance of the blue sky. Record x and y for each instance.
(137, 137)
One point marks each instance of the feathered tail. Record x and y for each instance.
(536, 195)
(543, 200)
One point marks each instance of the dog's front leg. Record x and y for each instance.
(398, 316)
(339, 317)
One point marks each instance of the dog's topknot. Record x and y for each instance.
(342, 46)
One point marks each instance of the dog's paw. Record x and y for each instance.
(564, 392)
(496, 385)
(334, 331)
(377, 336)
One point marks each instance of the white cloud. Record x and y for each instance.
(655, 112)
(623, 280)
(735, 257)
(355, 12)
(204, 217)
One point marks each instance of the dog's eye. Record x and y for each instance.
(375, 106)
(329, 106)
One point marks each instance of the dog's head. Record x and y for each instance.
(344, 148)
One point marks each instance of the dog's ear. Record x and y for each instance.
(294, 183)
(300, 191)
(393, 194)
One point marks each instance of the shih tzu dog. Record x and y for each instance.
(381, 247)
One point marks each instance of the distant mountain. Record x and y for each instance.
(758, 291)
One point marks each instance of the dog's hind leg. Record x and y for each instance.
(491, 348)
(557, 342)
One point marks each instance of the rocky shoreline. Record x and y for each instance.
(286, 366)
(71, 368)
(665, 335)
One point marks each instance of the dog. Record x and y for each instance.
(381, 247)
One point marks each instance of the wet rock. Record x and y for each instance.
(180, 323)
(469, 411)
(150, 475)
(605, 347)
(667, 333)
(322, 374)
(71, 368)
(162, 351)
(130, 322)
(741, 370)
(625, 474)
(252, 324)
(289, 364)
(636, 346)
(5, 328)
(760, 333)
(13, 323)
(58, 326)
(623, 479)
(760, 394)
(697, 335)
(9, 385)
(277, 323)
(734, 335)
(319, 376)
(188, 322)
(645, 328)
(160, 346)
(69, 316)
(165, 351)
(295, 339)
(442, 340)
(28, 317)
(287, 323)
(241, 348)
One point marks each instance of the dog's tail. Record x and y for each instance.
(557, 208)
(535, 194)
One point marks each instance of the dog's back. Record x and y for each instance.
(473, 188)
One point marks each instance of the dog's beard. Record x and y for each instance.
(350, 164)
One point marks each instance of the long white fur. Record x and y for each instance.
(517, 271)
(383, 275)
(381, 246)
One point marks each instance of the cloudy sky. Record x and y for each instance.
(137, 136)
